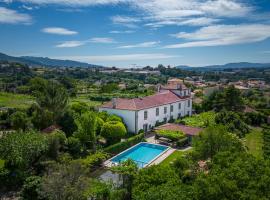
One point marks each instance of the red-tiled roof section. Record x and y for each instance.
(158, 99)
(188, 130)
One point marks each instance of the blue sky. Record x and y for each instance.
(125, 33)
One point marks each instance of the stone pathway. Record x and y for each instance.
(163, 157)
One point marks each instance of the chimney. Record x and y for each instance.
(158, 88)
(114, 103)
(179, 86)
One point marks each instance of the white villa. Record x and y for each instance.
(171, 101)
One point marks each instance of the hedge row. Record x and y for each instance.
(266, 143)
(121, 146)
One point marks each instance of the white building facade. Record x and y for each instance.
(144, 113)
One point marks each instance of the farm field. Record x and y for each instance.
(19, 101)
(254, 142)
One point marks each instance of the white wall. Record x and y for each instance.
(152, 118)
(127, 116)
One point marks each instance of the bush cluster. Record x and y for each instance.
(266, 143)
(172, 135)
(121, 146)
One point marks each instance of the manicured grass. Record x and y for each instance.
(173, 157)
(85, 99)
(254, 142)
(11, 100)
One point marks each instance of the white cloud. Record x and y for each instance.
(121, 32)
(102, 40)
(77, 43)
(124, 57)
(157, 13)
(141, 45)
(223, 35)
(70, 2)
(8, 16)
(58, 31)
(129, 22)
(71, 44)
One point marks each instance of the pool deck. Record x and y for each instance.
(162, 157)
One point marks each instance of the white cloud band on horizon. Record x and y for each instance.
(8, 16)
(220, 35)
(140, 45)
(119, 58)
(59, 31)
(77, 43)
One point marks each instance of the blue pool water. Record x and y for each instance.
(141, 154)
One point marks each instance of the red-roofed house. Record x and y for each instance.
(170, 102)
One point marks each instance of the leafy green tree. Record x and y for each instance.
(230, 99)
(67, 122)
(86, 132)
(74, 146)
(127, 171)
(215, 139)
(108, 88)
(99, 126)
(155, 180)
(22, 150)
(234, 176)
(233, 99)
(54, 98)
(113, 131)
(57, 141)
(64, 182)
(30, 189)
(233, 122)
(114, 118)
(20, 121)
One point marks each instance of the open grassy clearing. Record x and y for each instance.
(11, 100)
(174, 156)
(85, 99)
(254, 142)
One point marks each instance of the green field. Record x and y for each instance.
(254, 142)
(85, 99)
(11, 100)
(173, 157)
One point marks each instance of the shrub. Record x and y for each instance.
(94, 160)
(172, 135)
(113, 131)
(74, 146)
(202, 120)
(31, 188)
(121, 146)
(99, 124)
(233, 122)
(114, 118)
(182, 142)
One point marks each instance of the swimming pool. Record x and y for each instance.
(142, 154)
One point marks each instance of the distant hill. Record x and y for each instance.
(240, 65)
(44, 61)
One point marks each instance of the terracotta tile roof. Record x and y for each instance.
(188, 130)
(158, 99)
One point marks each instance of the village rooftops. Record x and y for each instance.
(159, 99)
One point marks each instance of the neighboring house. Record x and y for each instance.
(170, 102)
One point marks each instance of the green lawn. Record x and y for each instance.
(254, 142)
(173, 157)
(11, 100)
(85, 99)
